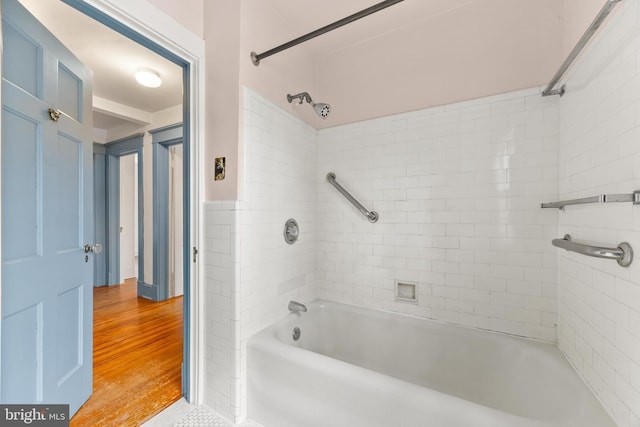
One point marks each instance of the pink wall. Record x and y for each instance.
(187, 12)
(291, 72)
(222, 102)
(578, 14)
(233, 29)
(475, 50)
(454, 51)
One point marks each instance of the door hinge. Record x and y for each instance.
(195, 253)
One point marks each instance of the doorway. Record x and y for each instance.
(176, 219)
(168, 184)
(188, 157)
(128, 217)
(120, 187)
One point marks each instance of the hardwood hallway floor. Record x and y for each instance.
(137, 357)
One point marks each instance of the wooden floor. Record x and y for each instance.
(137, 357)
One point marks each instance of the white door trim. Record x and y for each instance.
(148, 21)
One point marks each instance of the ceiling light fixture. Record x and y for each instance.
(148, 77)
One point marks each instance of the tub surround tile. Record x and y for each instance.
(447, 183)
(278, 184)
(599, 152)
(252, 272)
(221, 265)
(458, 192)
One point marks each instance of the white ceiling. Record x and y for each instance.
(113, 59)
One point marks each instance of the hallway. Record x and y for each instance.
(137, 357)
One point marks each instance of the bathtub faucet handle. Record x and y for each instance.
(296, 306)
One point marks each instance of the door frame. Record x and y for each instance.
(114, 150)
(148, 26)
(162, 139)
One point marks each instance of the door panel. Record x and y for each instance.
(71, 86)
(22, 366)
(24, 65)
(69, 326)
(21, 198)
(69, 186)
(47, 216)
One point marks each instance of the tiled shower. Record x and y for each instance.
(458, 189)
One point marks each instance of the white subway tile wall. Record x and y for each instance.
(221, 316)
(599, 152)
(251, 272)
(458, 189)
(279, 182)
(279, 171)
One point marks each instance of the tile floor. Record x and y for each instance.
(183, 414)
(201, 417)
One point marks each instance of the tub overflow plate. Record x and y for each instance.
(296, 334)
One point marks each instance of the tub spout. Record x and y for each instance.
(297, 306)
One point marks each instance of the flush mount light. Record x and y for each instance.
(148, 77)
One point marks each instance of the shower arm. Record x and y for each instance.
(304, 96)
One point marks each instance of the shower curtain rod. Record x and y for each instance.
(597, 22)
(256, 57)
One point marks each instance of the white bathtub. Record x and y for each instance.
(359, 367)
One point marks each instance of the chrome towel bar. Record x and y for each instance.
(623, 253)
(371, 215)
(602, 198)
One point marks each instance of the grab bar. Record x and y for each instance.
(371, 215)
(601, 198)
(623, 253)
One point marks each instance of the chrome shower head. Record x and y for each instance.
(320, 108)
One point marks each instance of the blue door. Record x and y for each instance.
(47, 300)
